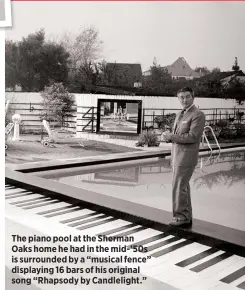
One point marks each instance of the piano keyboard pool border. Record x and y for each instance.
(209, 234)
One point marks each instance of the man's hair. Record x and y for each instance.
(186, 89)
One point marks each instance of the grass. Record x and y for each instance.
(31, 151)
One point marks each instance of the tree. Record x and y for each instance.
(36, 63)
(209, 87)
(85, 50)
(11, 57)
(159, 80)
(236, 67)
(215, 70)
(202, 70)
(236, 89)
(57, 102)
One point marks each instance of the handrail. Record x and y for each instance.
(204, 136)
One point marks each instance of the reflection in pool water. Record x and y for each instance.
(217, 189)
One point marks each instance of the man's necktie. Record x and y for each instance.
(181, 115)
(180, 118)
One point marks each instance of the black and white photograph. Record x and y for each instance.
(125, 145)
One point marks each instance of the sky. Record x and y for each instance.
(207, 34)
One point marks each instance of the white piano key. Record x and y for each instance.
(51, 207)
(12, 196)
(174, 257)
(186, 282)
(24, 198)
(213, 270)
(68, 215)
(125, 230)
(113, 225)
(157, 268)
(9, 186)
(145, 234)
(93, 223)
(158, 241)
(169, 271)
(185, 252)
(238, 281)
(44, 207)
(205, 282)
(222, 286)
(14, 190)
(204, 259)
(158, 260)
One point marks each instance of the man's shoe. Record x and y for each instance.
(180, 222)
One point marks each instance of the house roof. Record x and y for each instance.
(133, 69)
(96, 89)
(180, 68)
(222, 75)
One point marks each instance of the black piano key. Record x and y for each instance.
(88, 220)
(197, 257)
(75, 208)
(31, 199)
(162, 243)
(149, 240)
(43, 204)
(55, 209)
(130, 232)
(79, 218)
(234, 276)
(9, 187)
(19, 195)
(171, 249)
(97, 224)
(241, 286)
(34, 202)
(113, 231)
(211, 262)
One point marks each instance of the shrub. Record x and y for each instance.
(148, 138)
(166, 121)
(58, 102)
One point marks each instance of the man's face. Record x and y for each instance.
(186, 99)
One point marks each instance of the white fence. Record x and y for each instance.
(29, 106)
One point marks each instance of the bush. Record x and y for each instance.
(166, 121)
(148, 138)
(58, 102)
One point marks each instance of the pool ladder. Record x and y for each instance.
(204, 137)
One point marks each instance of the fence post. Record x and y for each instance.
(92, 119)
(143, 120)
(153, 119)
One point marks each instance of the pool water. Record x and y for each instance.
(217, 186)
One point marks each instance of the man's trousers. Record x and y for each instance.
(181, 195)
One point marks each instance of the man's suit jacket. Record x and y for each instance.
(186, 137)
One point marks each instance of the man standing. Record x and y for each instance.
(186, 137)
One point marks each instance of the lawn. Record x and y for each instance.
(31, 151)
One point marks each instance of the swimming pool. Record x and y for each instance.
(217, 185)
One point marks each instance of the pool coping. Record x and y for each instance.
(108, 158)
(210, 234)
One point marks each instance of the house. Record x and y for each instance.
(125, 74)
(225, 77)
(180, 69)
